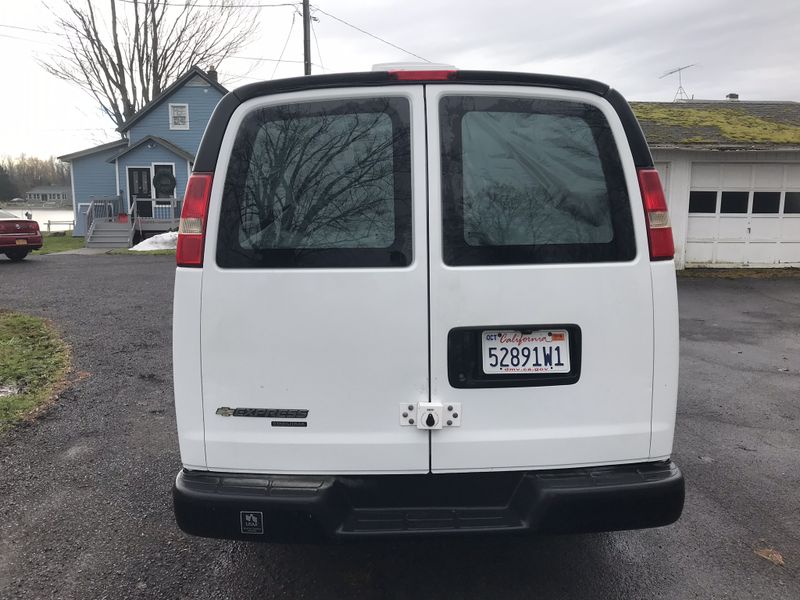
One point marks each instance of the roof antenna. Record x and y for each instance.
(680, 95)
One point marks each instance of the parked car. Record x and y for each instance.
(18, 236)
(414, 302)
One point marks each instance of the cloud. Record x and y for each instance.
(737, 44)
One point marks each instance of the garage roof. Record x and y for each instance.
(720, 125)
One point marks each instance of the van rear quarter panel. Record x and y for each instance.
(186, 367)
(666, 345)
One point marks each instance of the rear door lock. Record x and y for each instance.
(431, 415)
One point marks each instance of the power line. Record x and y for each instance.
(181, 5)
(109, 128)
(49, 43)
(32, 29)
(286, 60)
(372, 35)
(286, 43)
(14, 37)
(234, 76)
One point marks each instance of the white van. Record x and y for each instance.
(424, 302)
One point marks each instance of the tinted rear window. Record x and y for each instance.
(321, 184)
(531, 181)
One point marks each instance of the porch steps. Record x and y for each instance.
(106, 234)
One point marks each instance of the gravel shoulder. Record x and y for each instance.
(85, 507)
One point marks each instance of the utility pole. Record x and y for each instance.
(306, 37)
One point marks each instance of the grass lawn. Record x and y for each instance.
(59, 243)
(33, 364)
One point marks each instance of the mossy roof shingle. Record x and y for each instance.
(726, 125)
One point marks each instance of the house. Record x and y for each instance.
(731, 173)
(59, 194)
(134, 185)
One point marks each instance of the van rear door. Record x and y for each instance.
(540, 295)
(314, 294)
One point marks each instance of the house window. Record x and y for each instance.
(179, 116)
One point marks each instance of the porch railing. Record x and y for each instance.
(133, 220)
(104, 208)
(163, 209)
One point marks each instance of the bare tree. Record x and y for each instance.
(26, 172)
(126, 52)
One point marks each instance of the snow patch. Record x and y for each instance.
(8, 390)
(162, 241)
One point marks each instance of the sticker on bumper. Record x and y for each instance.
(251, 522)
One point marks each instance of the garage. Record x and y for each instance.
(731, 173)
(744, 214)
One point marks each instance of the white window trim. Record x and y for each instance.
(179, 127)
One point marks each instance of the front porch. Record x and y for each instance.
(110, 224)
(158, 215)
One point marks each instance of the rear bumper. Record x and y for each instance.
(297, 508)
(9, 242)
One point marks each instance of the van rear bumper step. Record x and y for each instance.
(297, 508)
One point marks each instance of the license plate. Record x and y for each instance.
(516, 352)
(22, 242)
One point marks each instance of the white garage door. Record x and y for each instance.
(744, 214)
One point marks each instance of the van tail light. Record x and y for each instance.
(659, 230)
(194, 214)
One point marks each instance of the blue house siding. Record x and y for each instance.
(102, 171)
(92, 177)
(201, 101)
(147, 157)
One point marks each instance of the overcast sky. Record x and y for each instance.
(752, 48)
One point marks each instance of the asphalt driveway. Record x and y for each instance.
(85, 491)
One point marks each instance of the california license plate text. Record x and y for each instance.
(515, 352)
